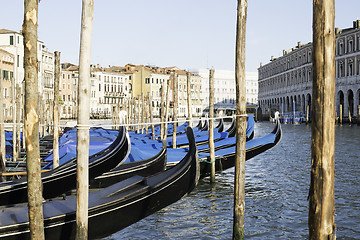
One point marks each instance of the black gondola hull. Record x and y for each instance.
(62, 179)
(112, 208)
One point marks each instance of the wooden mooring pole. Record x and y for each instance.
(142, 113)
(321, 192)
(18, 117)
(350, 118)
(2, 127)
(175, 107)
(147, 106)
(83, 121)
(13, 98)
(151, 117)
(307, 113)
(240, 149)
(131, 113)
(56, 111)
(167, 108)
(2, 120)
(341, 114)
(211, 125)
(138, 115)
(162, 107)
(188, 83)
(29, 32)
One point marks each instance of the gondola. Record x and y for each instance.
(220, 125)
(63, 178)
(137, 163)
(225, 157)
(151, 165)
(231, 141)
(202, 138)
(100, 139)
(110, 209)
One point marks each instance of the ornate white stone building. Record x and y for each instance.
(286, 82)
(224, 87)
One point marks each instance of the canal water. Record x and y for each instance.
(277, 184)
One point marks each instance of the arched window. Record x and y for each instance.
(341, 69)
(350, 44)
(341, 47)
(350, 70)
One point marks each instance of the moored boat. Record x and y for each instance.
(225, 155)
(110, 209)
(63, 178)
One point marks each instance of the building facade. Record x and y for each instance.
(7, 62)
(224, 87)
(13, 42)
(285, 84)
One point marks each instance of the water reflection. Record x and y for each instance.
(277, 184)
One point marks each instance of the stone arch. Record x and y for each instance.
(350, 99)
(303, 109)
(287, 103)
(308, 103)
(340, 100)
(357, 102)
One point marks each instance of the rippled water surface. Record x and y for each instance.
(277, 184)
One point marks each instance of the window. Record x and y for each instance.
(350, 71)
(350, 45)
(341, 48)
(11, 40)
(341, 69)
(69, 98)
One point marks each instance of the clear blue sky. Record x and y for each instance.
(186, 33)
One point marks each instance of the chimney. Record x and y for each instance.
(337, 31)
(355, 24)
(299, 44)
(284, 52)
(272, 58)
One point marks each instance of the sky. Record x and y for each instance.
(187, 34)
